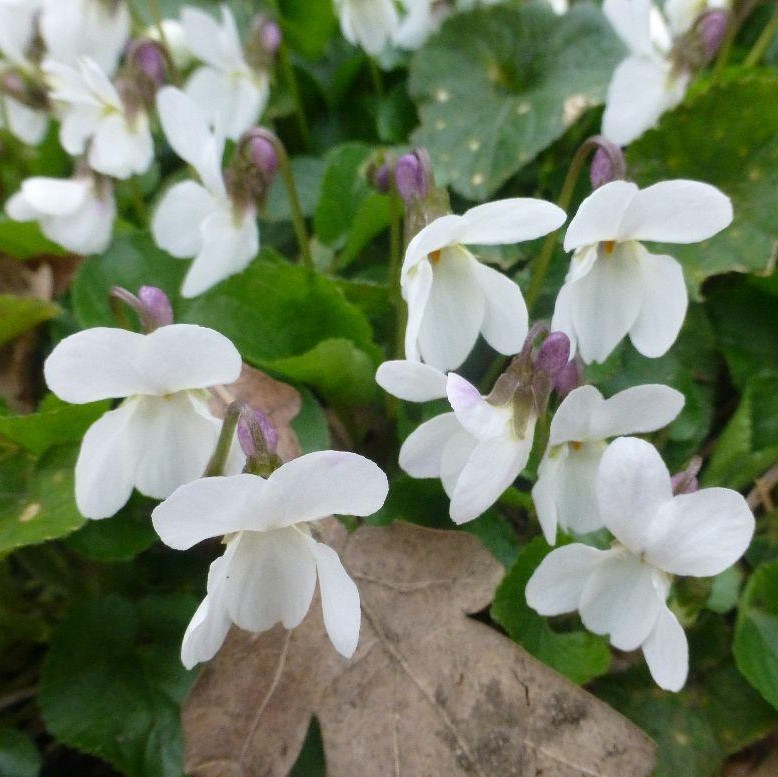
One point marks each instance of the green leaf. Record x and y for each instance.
(18, 755)
(113, 683)
(18, 314)
(723, 135)
(756, 632)
(579, 655)
(55, 423)
(42, 506)
(749, 443)
(308, 172)
(310, 424)
(496, 86)
(24, 240)
(307, 26)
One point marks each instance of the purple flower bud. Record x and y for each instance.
(270, 36)
(410, 178)
(148, 56)
(608, 163)
(264, 156)
(256, 435)
(381, 178)
(156, 305)
(554, 354)
(568, 378)
(686, 482)
(711, 27)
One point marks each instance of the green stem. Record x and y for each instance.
(395, 267)
(375, 77)
(763, 41)
(734, 24)
(294, 87)
(138, 202)
(543, 260)
(156, 15)
(224, 443)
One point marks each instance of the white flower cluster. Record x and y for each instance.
(614, 288)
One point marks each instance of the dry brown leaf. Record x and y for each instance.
(429, 693)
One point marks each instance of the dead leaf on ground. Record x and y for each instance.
(280, 402)
(429, 693)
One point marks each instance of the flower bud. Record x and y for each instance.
(270, 36)
(263, 155)
(381, 178)
(411, 177)
(554, 354)
(152, 306)
(568, 378)
(686, 482)
(257, 436)
(263, 42)
(711, 28)
(148, 57)
(608, 162)
(175, 37)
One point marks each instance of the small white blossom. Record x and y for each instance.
(162, 435)
(271, 563)
(201, 220)
(452, 297)
(614, 286)
(93, 116)
(420, 20)
(370, 24)
(564, 494)
(72, 29)
(77, 213)
(231, 94)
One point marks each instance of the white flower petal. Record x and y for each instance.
(634, 411)
(632, 484)
(105, 469)
(77, 126)
(510, 221)
(556, 585)
(456, 452)
(121, 150)
(217, 45)
(676, 212)
(339, 599)
(420, 454)
(577, 494)
(506, 320)
(606, 303)
(545, 490)
(87, 230)
(56, 196)
(491, 468)
(443, 231)
(411, 381)
(573, 418)
(318, 484)
(369, 25)
(482, 419)
(562, 320)
(416, 288)
(228, 248)
(599, 215)
(667, 652)
(620, 599)
(178, 217)
(630, 19)
(271, 578)
(701, 533)
(25, 123)
(211, 507)
(454, 312)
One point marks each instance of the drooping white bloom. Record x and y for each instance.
(614, 286)
(420, 20)
(452, 297)
(163, 434)
(231, 94)
(92, 114)
(201, 220)
(85, 28)
(77, 213)
(269, 569)
(370, 24)
(565, 490)
(648, 82)
(622, 592)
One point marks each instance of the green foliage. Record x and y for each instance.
(114, 656)
(723, 135)
(529, 75)
(25, 240)
(579, 655)
(18, 314)
(18, 755)
(307, 27)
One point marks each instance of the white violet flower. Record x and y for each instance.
(77, 213)
(231, 93)
(452, 297)
(200, 219)
(564, 494)
(162, 435)
(92, 113)
(622, 592)
(370, 24)
(271, 563)
(421, 19)
(614, 286)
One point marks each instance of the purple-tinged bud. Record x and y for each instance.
(270, 36)
(381, 178)
(263, 43)
(148, 56)
(263, 155)
(554, 354)
(608, 163)
(711, 28)
(256, 435)
(410, 177)
(156, 305)
(686, 482)
(568, 378)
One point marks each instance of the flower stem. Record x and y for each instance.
(736, 20)
(763, 41)
(224, 443)
(395, 266)
(375, 77)
(294, 88)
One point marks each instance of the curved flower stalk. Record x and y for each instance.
(200, 219)
(271, 563)
(451, 296)
(115, 136)
(614, 286)
(622, 592)
(231, 93)
(564, 494)
(162, 435)
(17, 31)
(85, 28)
(76, 213)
